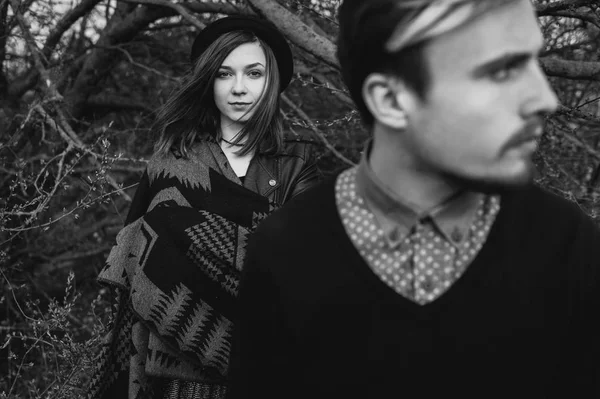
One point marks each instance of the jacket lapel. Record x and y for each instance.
(262, 176)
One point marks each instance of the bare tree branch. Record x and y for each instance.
(587, 17)
(561, 5)
(62, 125)
(315, 129)
(179, 9)
(198, 7)
(217, 8)
(20, 86)
(98, 62)
(326, 83)
(3, 38)
(117, 102)
(38, 61)
(142, 66)
(297, 31)
(65, 23)
(580, 70)
(576, 113)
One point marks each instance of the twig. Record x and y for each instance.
(544, 9)
(316, 130)
(588, 102)
(178, 8)
(47, 224)
(72, 318)
(76, 143)
(15, 297)
(37, 59)
(144, 67)
(74, 369)
(62, 125)
(576, 112)
(37, 340)
(574, 15)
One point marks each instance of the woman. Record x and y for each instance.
(221, 166)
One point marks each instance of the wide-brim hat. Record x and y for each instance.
(262, 28)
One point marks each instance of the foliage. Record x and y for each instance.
(50, 352)
(79, 86)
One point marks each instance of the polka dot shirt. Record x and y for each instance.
(423, 263)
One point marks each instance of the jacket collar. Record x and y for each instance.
(261, 176)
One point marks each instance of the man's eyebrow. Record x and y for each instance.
(502, 61)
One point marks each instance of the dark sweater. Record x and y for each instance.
(522, 321)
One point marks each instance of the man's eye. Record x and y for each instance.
(501, 75)
(508, 71)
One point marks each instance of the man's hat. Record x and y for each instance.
(262, 28)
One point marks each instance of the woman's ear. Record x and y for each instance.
(383, 96)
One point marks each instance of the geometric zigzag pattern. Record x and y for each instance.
(215, 235)
(115, 354)
(258, 217)
(164, 359)
(209, 266)
(213, 249)
(216, 248)
(195, 327)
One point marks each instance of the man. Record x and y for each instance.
(435, 267)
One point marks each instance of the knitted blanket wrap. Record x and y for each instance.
(177, 272)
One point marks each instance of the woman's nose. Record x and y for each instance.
(239, 85)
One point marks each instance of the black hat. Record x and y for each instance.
(262, 28)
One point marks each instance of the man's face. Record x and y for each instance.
(482, 114)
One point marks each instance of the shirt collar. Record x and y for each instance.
(397, 217)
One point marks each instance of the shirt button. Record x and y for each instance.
(427, 285)
(456, 235)
(272, 182)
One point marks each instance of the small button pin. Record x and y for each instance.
(272, 182)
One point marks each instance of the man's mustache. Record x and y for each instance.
(532, 131)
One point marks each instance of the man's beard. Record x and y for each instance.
(494, 185)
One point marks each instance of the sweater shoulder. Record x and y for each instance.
(543, 204)
(539, 211)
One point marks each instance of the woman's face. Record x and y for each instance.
(240, 83)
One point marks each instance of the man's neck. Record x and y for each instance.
(398, 170)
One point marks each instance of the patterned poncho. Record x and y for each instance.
(176, 269)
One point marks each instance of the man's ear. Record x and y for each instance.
(385, 97)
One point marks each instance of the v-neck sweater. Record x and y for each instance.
(522, 321)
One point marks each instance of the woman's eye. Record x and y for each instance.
(223, 74)
(255, 74)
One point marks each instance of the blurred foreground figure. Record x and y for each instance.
(221, 165)
(434, 268)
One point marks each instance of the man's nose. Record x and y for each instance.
(542, 98)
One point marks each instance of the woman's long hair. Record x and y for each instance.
(191, 111)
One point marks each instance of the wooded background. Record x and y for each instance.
(80, 82)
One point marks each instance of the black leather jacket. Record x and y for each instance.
(284, 176)
(278, 178)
